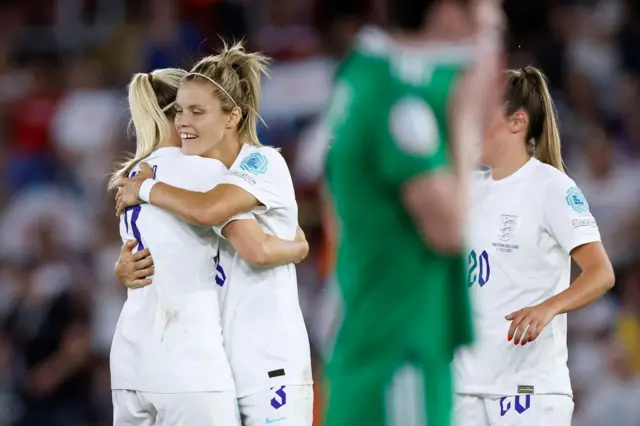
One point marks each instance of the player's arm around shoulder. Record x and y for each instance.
(257, 179)
(263, 250)
(209, 208)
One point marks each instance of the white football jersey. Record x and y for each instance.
(264, 332)
(521, 232)
(169, 337)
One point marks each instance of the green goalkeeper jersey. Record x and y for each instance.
(388, 123)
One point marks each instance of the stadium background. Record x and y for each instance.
(64, 65)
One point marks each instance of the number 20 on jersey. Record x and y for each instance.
(479, 268)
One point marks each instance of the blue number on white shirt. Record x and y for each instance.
(479, 268)
(519, 406)
(135, 214)
(221, 277)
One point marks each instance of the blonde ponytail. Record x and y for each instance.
(527, 89)
(150, 97)
(548, 149)
(237, 75)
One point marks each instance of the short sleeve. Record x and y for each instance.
(240, 216)
(262, 174)
(567, 215)
(409, 140)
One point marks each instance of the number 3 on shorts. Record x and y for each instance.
(279, 398)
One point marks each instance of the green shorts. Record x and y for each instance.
(380, 390)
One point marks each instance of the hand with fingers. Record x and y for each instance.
(528, 323)
(129, 189)
(134, 269)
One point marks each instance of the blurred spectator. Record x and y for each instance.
(284, 30)
(29, 119)
(57, 205)
(615, 403)
(85, 126)
(47, 328)
(612, 185)
(629, 36)
(629, 320)
(628, 119)
(592, 49)
(170, 43)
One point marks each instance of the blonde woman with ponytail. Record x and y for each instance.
(528, 219)
(168, 364)
(264, 331)
(151, 116)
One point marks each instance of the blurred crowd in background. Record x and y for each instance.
(64, 66)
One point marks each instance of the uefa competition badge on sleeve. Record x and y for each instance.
(255, 163)
(576, 200)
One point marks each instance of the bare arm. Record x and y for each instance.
(204, 209)
(437, 201)
(433, 201)
(211, 208)
(595, 280)
(260, 249)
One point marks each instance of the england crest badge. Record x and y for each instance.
(507, 227)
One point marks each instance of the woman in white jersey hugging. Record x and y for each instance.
(168, 365)
(528, 219)
(264, 332)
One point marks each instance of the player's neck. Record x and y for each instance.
(171, 142)
(508, 165)
(226, 151)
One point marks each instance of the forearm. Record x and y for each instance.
(211, 208)
(190, 206)
(466, 132)
(276, 252)
(259, 249)
(465, 141)
(586, 289)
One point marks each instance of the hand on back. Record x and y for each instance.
(134, 269)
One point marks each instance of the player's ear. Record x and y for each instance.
(518, 122)
(234, 117)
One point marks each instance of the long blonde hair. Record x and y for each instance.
(151, 98)
(527, 89)
(236, 75)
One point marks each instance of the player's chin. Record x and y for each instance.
(192, 146)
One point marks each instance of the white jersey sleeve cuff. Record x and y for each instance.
(240, 216)
(584, 239)
(247, 182)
